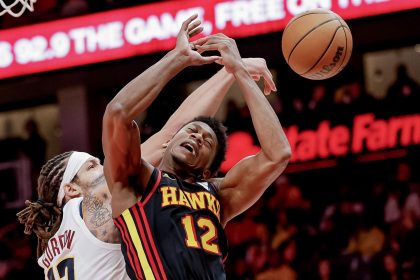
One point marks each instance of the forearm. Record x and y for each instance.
(204, 101)
(269, 131)
(137, 95)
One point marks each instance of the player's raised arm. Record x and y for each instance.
(244, 184)
(120, 136)
(204, 101)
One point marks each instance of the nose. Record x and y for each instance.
(198, 137)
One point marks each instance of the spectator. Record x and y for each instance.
(281, 264)
(392, 208)
(392, 271)
(34, 145)
(284, 230)
(368, 240)
(403, 92)
(256, 256)
(324, 269)
(412, 202)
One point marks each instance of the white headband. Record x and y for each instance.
(76, 160)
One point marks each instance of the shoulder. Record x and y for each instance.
(215, 183)
(72, 212)
(73, 203)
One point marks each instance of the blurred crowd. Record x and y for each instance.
(347, 222)
(324, 230)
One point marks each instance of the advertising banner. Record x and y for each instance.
(367, 138)
(151, 28)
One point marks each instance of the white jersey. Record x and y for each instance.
(75, 253)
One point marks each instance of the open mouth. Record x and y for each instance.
(190, 147)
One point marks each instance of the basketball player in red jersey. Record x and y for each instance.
(171, 218)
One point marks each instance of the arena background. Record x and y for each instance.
(348, 205)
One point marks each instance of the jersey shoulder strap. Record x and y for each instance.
(151, 185)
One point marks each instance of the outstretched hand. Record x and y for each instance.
(190, 28)
(230, 57)
(257, 68)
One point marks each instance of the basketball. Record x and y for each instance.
(317, 44)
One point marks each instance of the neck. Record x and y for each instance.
(178, 171)
(97, 215)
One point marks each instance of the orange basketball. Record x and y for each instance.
(317, 44)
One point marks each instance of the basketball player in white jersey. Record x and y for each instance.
(75, 238)
(72, 217)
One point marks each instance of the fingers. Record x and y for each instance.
(220, 35)
(269, 85)
(267, 89)
(196, 31)
(193, 25)
(210, 47)
(210, 59)
(186, 23)
(219, 61)
(212, 39)
(257, 67)
(200, 41)
(268, 81)
(217, 40)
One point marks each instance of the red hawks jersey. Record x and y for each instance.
(75, 253)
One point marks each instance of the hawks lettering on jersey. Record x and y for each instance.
(194, 200)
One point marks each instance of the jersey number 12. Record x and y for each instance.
(206, 238)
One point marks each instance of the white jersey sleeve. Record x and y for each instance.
(75, 253)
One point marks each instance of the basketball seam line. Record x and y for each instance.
(290, 23)
(323, 54)
(307, 33)
(345, 53)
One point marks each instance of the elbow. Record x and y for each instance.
(113, 108)
(282, 156)
(114, 111)
(285, 156)
(287, 153)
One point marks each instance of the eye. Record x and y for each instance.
(193, 130)
(210, 143)
(91, 166)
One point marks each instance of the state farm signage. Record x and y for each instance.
(367, 134)
(151, 28)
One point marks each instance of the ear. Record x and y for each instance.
(165, 145)
(71, 190)
(206, 174)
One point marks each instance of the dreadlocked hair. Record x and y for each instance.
(43, 217)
